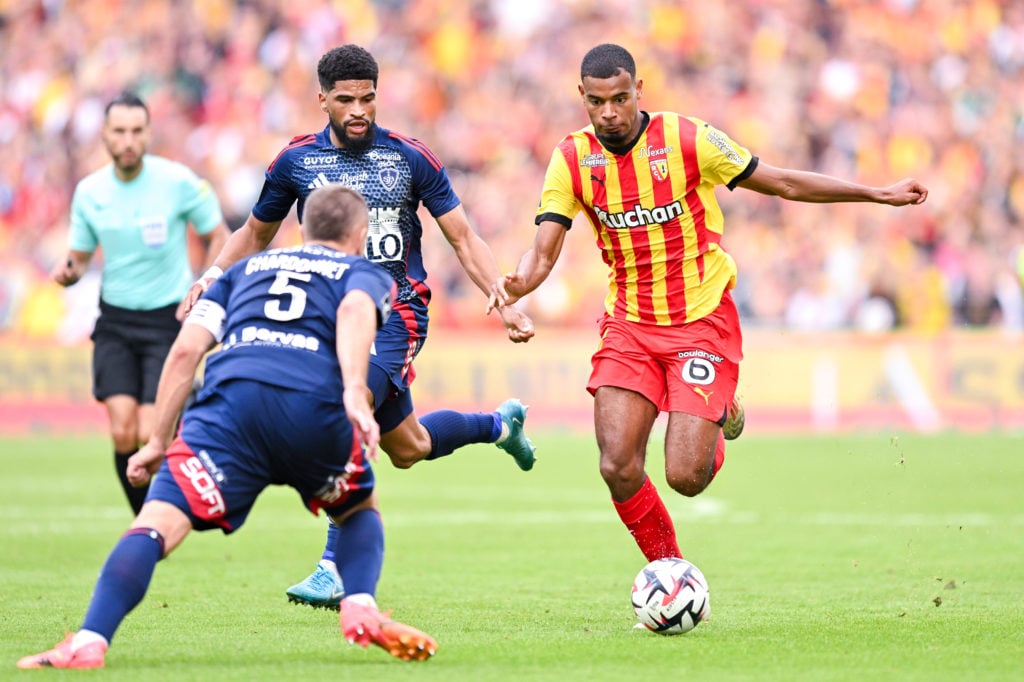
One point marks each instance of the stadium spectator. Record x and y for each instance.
(670, 335)
(395, 174)
(840, 88)
(234, 440)
(137, 210)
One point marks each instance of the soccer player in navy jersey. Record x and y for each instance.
(285, 401)
(395, 174)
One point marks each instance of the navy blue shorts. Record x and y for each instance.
(395, 347)
(243, 436)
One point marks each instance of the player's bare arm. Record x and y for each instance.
(479, 263)
(71, 269)
(534, 267)
(214, 242)
(252, 237)
(797, 185)
(175, 384)
(356, 328)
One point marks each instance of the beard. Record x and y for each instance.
(130, 166)
(354, 144)
(613, 139)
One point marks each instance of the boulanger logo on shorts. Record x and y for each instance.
(699, 367)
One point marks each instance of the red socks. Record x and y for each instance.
(647, 519)
(648, 522)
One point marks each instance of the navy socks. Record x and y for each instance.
(360, 551)
(450, 430)
(124, 580)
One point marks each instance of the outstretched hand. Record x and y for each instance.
(500, 291)
(906, 191)
(144, 463)
(500, 294)
(518, 323)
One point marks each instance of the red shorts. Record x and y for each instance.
(692, 368)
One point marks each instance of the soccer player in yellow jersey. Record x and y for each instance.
(670, 335)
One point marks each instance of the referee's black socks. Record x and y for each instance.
(136, 496)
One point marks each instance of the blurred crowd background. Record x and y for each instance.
(871, 91)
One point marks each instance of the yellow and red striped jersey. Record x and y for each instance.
(654, 214)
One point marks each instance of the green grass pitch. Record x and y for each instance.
(852, 557)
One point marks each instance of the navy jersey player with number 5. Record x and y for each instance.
(284, 402)
(395, 174)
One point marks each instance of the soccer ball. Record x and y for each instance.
(670, 596)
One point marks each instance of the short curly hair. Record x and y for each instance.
(346, 63)
(606, 60)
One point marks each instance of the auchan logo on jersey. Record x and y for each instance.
(638, 216)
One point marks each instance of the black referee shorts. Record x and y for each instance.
(130, 347)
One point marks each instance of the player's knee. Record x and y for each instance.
(406, 446)
(126, 438)
(401, 460)
(407, 451)
(620, 473)
(688, 482)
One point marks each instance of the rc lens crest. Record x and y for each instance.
(659, 170)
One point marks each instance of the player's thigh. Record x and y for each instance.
(622, 424)
(407, 443)
(690, 443)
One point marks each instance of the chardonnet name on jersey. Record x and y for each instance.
(292, 263)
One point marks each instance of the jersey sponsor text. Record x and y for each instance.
(253, 334)
(639, 216)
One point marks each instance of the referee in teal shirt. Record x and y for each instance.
(136, 210)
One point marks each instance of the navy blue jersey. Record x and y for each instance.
(275, 314)
(395, 175)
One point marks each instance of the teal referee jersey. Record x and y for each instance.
(141, 227)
